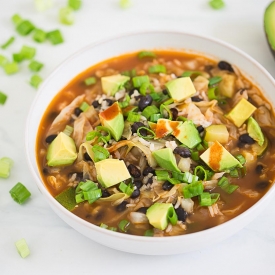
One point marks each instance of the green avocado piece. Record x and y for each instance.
(187, 134)
(241, 112)
(269, 26)
(112, 119)
(111, 172)
(219, 159)
(112, 84)
(260, 150)
(157, 215)
(166, 159)
(254, 131)
(61, 151)
(180, 88)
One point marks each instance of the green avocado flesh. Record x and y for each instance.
(269, 25)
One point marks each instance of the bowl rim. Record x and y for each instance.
(50, 199)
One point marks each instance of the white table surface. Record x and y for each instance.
(55, 247)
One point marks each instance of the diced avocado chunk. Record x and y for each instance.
(216, 133)
(165, 127)
(187, 134)
(254, 131)
(260, 150)
(111, 172)
(166, 159)
(241, 112)
(219, 159)
(227, 86)
(112, 119)
(269, 25)
(61, 151)
(157, 215)
(180, 88)
(67, 198)
(112, 84)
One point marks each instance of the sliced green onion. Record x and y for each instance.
(182, 118)
(104, 132)
(130, 73)
(179, 176)
(8, 42)
(100, 153)
(174, 181)
(205, 144)
(155, 117)
(20, 193)
(17, 57)
(231, 188)
(66, 16)
(195, 156)
(226, 186)
(133, 117)
(79, 198)
(67, 198)
(146, 54)
(92, 195)
(22, 248)
(39, 35)
(234, 173)
(168, 101)
(55, 37)
(139, 80)
(155, 96)
(84, 106)
(75, 4)
(149, 233)
(25, 27)
(210, 174)
(211, 93)
(150, 110)
(3, 60)
(223, 182)
(124, 4)
(155, 69)
(27, 52)
(241, 159)
(3, 98)
(216, 4)
(188, 177)
(165, 112)
(214, 80)
(68, 130)
(16, 19)
(5, 165)
(11, 68)
(35, 66)
(162, 175)
(90, 81)
(87, 191)
(200, 172)
(36, 81)
(91, 135)
(87, 185)
(200, 147)
(42, 5)
(191, 73)
(145, 86)
(125, 102)
(127, 189)
(205, 199)
(152, 136)
(172, 216)
(192, 190)
(112, 228)
(124, 225)
(103, 225)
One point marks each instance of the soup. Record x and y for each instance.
(158, 143)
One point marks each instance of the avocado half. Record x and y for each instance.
(269, 26)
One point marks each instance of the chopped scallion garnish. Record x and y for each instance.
(100, 153)
(139, 80)
(192, 190)
(103, 225)
(226, 186)
(20, 193)
(42, 5)
(145, 87)
(66, 16)
(55, 37)
(214, 80)
(124, 4)
(200, 172)
(87, 191)
(149, 233)
(3, 60)
(17, 57)
(152, 136)
(11, 68)
(3, 98)
(172, 216)
(39, 35)
(75, 4)
(165, 112)
(35, 66)
(127, 189)
(90, 81)
(191, 73)
(162, 175)
(211, 93)
(150, 110)
(155, 117)
(123, 225)
(241, 159)
(84, 106)
(35, 81)
(146, 54)
(155, 69)
(68, 130)
(27, 52)
(217, 4)
(22, 248)
(16, 19)
(5, 163)
(24, 27)
(133, 117)
(8, 42)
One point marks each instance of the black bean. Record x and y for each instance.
(136, 125)
(223, 65)
(259, 169)
(181, 213)
(165, 92)
(132, 91)
(200, 129)
(77, 111)
(109, 101)
(121, 207)
(148, 170)
(182, 151)
(262, 185)
(174, 113)
(49, 139)
(135, 194)
(196, 99)
(144, 102)
(150, 180)
(166, 186)
(87, 157)
(142, 210)
(95, 104)
(138, 183)
(45, 171)
(134, 171)
(105, 193)
(246, 139)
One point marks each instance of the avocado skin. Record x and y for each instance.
(270, 34)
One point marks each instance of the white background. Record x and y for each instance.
(55, 247)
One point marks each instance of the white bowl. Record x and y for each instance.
(98, 52)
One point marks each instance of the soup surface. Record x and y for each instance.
(158, 144)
